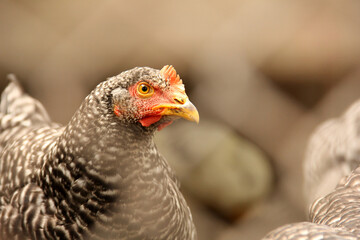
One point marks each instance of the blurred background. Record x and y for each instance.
(262, 73)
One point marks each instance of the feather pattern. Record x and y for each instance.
(332, 182)
(98, 177)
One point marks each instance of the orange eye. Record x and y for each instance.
(145, 90)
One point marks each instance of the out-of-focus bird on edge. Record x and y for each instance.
(332, 182)
(100, 176)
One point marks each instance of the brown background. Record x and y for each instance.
(271, 70)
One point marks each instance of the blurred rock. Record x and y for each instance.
(232, 91)
(297, 41)
(340, 96)
(308, 94)
(222, 169)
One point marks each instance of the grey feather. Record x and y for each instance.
(98, 177)
(332, 182)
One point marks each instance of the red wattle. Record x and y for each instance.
(163, 125)
(147, 121)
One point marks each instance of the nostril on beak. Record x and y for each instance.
(179, 100)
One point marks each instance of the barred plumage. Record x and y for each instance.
(332, 182)
(99, 177)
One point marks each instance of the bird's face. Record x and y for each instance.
(153, 98)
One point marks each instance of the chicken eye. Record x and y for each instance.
(145, 90)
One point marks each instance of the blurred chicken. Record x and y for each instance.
(333, 152)
(332, 177)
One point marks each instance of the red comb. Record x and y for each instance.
(169, 73)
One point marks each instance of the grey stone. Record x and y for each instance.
(216, 165)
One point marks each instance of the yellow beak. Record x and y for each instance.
(182, 109)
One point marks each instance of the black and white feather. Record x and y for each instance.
(332, 182)
(333, 152)
(95, 178)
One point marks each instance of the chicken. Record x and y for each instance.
(335, 216)
(100, 176)
(333, 153)
(332, 182)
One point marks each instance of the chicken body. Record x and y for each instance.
(99, 177)
(332, 182)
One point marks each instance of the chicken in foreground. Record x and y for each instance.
(100, 176)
